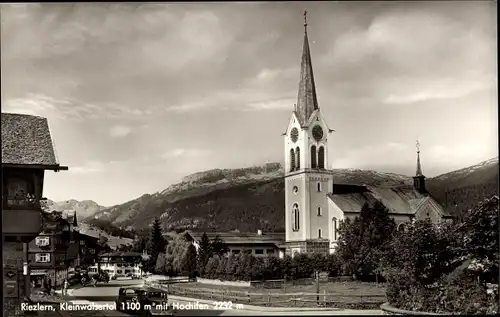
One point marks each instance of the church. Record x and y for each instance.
(315, 204)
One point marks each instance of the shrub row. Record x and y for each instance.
(246, 267)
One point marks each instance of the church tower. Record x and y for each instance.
(419, 178)
(307, 178)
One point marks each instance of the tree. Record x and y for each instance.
(212, 266)
(218, 246)
(363, 240)
(140, 244)
(479, 236)
(176, 255)
(190, 261)
(161, 263)
(157, 244)
(204, 253)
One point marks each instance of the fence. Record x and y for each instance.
(366, 301)
(282, 283)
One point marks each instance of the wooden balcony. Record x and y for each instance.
(24, 223)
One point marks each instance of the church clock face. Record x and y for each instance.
(294, 135)
(317, 132)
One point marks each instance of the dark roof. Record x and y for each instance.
(87, 237)
(307, 101)
(403, 200)
(277, 238)
(54, 216)
(26, 140)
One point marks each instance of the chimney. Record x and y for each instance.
(259, 232)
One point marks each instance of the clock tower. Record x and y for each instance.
(307, 177)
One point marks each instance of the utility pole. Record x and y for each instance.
(284, 284)
(26, 271)
(317, 287)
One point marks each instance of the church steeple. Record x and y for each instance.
(419, 178)
(307, 101)
(419, 167)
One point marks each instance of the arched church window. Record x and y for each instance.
(334, 228)
(319, 233)
(292, 160)
(297, 152)
(313, 157)
(321, 157)
(295, 218)
(319, 187)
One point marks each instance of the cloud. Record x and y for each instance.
(408, 56)
(42, 105)
(264, 91)
(119, 131)
(386, 154)
(89, 168)
(185, 153)
(440, 90)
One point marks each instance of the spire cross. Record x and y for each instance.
(305, 21)
(418, 147)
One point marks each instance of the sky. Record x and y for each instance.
(140, 95)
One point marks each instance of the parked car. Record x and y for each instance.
(143, 301)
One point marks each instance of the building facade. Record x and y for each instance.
(258, 244)
(89, 250)
(27, 152)
(314, 203)
(55, 251)
(119, 264)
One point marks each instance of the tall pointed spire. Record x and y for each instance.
(419, 178)
(307, 101)
(419, 167)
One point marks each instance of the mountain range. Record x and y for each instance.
(85, 209)
(249, 199)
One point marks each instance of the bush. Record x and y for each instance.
(246, 267)
(211, 267)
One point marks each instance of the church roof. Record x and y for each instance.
(307, 101)
(403, 200)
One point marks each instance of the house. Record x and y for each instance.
(89, 249)
(119, 264)
(27, 152)
(314, 202)
(55, 251)
(258, 244)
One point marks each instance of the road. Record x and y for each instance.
(106, 294)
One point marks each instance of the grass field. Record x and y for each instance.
(349, 294)
(340, 288)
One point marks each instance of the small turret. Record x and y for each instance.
(419, 178)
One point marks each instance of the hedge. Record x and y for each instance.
(246, 267)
